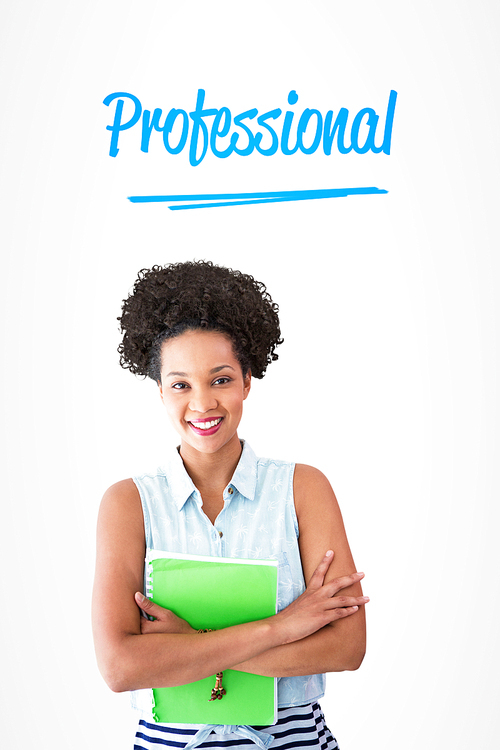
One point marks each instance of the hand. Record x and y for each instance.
(318, 605)
(165, 620)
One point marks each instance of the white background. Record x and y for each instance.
(388, 377)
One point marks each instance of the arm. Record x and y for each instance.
(129, 659)
(341, 644)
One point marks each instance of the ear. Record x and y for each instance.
(160, 389)
(247, 384)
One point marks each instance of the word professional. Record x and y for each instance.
(217, 129)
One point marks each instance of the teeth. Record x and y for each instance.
(206, 425)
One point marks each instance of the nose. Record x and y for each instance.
(202, 401)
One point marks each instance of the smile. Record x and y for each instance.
(206, 426)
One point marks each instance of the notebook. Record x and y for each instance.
(215, 592)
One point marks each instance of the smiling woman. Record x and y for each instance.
(202, 332)
(205, 390)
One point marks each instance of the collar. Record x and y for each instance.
(182, 487)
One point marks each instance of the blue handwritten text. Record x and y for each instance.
(209, 128)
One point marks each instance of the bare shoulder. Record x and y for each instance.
(312, 490)
(123, 491)
(121, 520)
(321, 526)
(307, 475)
(120, 549)
(121, 497)
(119, 568)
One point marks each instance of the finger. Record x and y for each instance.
(347, 601)
(149, 607)
(148, 626)
(318, 577)
(344, 582)
(152, 626)
(341, 612)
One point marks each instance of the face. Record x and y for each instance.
(203, 389)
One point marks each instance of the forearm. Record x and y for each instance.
(165, 659)
(335, 648)
(172, 654)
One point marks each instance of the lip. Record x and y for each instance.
(210, 431)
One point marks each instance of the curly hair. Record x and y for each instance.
(198, 295)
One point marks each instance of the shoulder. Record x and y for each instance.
(321, 526)
(120, 504)
(307, 478)
(312, 491)
(121, 492)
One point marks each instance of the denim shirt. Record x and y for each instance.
(258, 521)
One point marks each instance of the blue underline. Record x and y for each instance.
(215, 200)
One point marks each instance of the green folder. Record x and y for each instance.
(215, 592)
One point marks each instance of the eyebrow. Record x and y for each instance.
(212, 372)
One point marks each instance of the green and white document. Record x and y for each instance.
(215, 592)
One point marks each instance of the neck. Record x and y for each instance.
(211, 472)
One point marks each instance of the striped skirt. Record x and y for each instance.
(300, 726)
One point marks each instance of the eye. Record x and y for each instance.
(179, 386)
(221, 381)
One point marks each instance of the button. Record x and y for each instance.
(220, 534)
(230, 491)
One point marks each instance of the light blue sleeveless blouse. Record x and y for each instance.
(257, 521)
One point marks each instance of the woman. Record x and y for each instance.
(202, 332)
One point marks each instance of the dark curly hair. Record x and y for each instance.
(168, 300)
